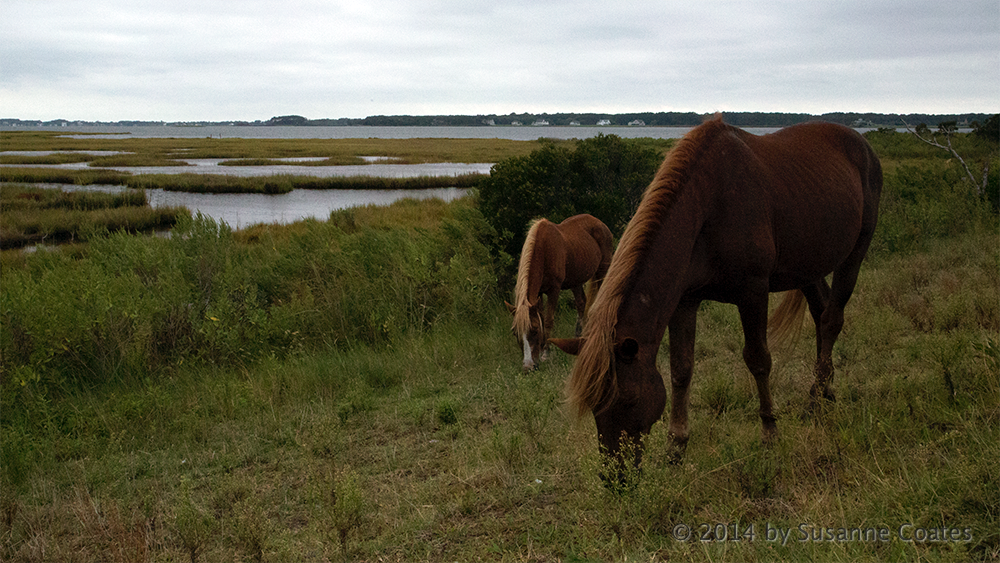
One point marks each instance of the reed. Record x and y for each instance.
(30, 215)
(221, 183)
(59, 176)
(284, 183)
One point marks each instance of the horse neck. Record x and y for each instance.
(648, 272)
(662, 271)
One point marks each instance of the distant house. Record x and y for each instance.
(604, 122)
(540, 123)
(516, 123)
(574, 123)
(637, 123)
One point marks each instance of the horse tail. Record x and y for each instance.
(592, 287)
(785, 324)
(605, 242)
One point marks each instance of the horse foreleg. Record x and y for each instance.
(682, 331)
(753, 316)
(580, 300)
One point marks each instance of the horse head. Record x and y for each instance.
(529, 330)
(627, 397)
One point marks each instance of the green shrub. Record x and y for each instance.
(604, 176)
(920, 203)
(989, 130)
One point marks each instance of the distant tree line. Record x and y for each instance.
(649, 119)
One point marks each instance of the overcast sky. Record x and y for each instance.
(177, 60)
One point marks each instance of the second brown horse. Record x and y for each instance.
(556, 257)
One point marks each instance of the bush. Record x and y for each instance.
(989, 130)
(604, 176)
(921, 203)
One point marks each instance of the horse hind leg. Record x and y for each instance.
(818, 298)
(829, 326)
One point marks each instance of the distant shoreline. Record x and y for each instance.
(527, 120)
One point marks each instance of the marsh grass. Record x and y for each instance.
(60, 176)
(336, 151)
(31, 215)
(350, 390)
(221, 183)
(244, 152)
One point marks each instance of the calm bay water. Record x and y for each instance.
(211, 166)
(243, 210)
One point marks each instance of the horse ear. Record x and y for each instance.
(627, 349)
(510, 307)
(569, 345)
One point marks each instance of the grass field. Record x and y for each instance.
(350, 390)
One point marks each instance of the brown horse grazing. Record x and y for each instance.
(554, 258)
(729, 217)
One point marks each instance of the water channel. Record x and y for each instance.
(243, 210)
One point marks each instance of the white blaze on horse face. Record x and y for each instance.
(528, 363)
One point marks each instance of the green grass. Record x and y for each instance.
(440, 449)
(436, 447)
(350, 390)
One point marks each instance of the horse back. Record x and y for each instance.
(587, 242)
(803, 198)
(821, 175)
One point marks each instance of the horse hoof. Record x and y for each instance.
(817, 399)
(675, 451)
(817, 405)
(769, 439)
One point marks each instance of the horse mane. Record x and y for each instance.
(522, 311)
(593, 381)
